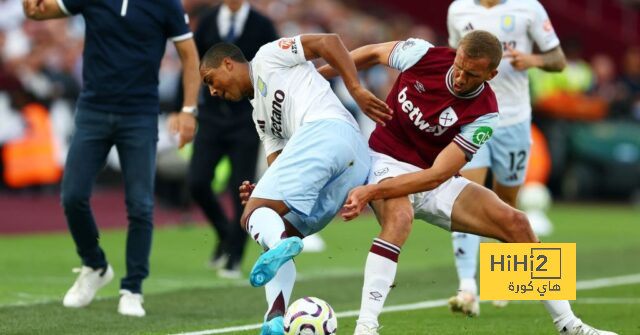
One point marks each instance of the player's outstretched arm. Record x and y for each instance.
(364, 57)
(42, 9)
(331, 49)
(446, 165)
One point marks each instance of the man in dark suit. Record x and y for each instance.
(226, 128)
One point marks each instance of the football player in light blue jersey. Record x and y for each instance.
(518, 25)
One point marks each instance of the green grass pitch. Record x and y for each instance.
(183, 295)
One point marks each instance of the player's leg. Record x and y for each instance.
(396, 218)
(479, 211)
(510, 155)
(89, 148)
(466, 246)
(242, 153)
(510, 169)
(320, 153)
(333, 159)
(136, 137)
(278, 293)
(207, 152)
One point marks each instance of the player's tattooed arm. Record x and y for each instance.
(42, 9)
(552, 60)
(364, 57)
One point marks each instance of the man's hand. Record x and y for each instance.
(376, 109)
(184, 124)
(522, 61)
(245, 191)
(357, 199)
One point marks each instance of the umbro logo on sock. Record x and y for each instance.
(468, 27)
(375, 295)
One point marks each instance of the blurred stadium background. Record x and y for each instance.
(588, 119)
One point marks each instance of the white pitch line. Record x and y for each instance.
(588, 301)
(607, 282)
(580, 285)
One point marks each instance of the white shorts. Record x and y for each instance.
(433, 206)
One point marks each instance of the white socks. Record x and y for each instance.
(266, 227)
(468, 285)
(279, 289)
(379, 274)
(560, 312)
(465, 249)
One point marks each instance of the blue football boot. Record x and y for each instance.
(274, 326)
(270, 261)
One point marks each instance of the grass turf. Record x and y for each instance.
(183, 295)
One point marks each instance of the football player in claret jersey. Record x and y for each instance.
(314, 149)
(443, 113)
(517, 24)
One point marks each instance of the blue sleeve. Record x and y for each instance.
(71, 7)
(473, 135)
(407, 53)
(177, 27)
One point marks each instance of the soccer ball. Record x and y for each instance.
(310, 316)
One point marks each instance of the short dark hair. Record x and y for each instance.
(482, 44)
(214, 56)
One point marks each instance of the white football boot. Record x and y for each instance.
(465, 302)
(580, 328)
(364, 329)
(84, 289)
(131, 304)
(500, 303)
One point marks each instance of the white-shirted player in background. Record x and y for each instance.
(517, 24)
(314, 149)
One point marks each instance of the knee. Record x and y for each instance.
(73, 200)
(244, 218)
(509, 198)
(140, 210)
(515, 225)
(397, 227)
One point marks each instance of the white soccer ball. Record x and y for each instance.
(310, 316)
(534, 196)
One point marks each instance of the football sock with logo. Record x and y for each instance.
(379, 274)
(465, 249)
(279, 290)
(266, 227)
(560, 312)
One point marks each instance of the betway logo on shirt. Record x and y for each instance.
(276, 113)
(447, 117)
